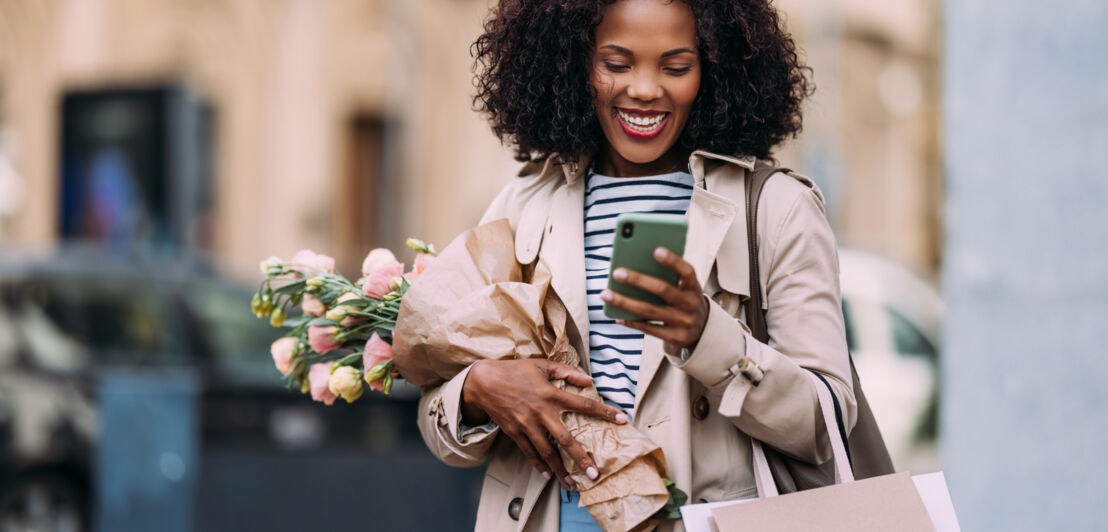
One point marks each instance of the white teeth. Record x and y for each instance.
(643, 124)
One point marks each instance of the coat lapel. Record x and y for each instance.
(717, 232)
(563, 250)
(711, 218)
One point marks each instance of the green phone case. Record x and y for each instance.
(634, 249)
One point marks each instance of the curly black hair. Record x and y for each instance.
(532, 78)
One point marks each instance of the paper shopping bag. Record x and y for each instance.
(889, 502)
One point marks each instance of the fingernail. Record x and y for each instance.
(592, 472)
(661, 253)
(621, 418)
(620, 274)
(569, 481)
(546, 475)
(606, 296)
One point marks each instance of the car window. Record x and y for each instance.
(8, 335)
(848, 324)
(239, 341)
(124, 322)
(906, 337)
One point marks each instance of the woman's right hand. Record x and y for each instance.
(519, 397)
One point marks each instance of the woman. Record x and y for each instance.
(661, 106)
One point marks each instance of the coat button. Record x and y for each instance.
(700, 408)
(514, 508)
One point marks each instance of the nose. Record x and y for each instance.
(644, 86)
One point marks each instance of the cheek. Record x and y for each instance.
(684, 93)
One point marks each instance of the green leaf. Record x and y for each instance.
(297, 321)
(677, 499)
(321, 321)
(349, 359)
(290, 288)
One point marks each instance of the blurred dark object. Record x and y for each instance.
(136, 168)
(126, 387)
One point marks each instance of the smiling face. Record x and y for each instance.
(645, 74)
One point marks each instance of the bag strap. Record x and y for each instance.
(756, 320)
(763, 476)
(755, 181)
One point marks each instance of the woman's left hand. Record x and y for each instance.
(681, 321)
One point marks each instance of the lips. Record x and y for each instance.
(640, 123)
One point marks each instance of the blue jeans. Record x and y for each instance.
(575, 518)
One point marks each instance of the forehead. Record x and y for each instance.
(647, 24)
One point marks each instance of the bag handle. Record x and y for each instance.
(763, 477)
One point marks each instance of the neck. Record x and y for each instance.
(612, 164)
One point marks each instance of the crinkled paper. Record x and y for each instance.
(475, 302)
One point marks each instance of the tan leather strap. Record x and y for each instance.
(755, 181)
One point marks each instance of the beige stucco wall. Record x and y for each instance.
(285, 76)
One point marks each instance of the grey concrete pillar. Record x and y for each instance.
(1025, 369)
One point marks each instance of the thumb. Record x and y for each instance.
(572, 375)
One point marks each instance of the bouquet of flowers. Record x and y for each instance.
(342, 341)
(471, 302)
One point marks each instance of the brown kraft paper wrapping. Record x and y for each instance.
(475, 302)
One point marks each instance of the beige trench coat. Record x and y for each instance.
(702, 410)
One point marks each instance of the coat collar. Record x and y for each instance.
(578, 168)
(721, 187)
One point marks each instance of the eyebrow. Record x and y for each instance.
(623, 50)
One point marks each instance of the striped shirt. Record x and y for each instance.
(615, 350)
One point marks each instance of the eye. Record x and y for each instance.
(613, 67)
(677, 71)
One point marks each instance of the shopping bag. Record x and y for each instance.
(931, 488)
(888, 502)
(883, 503)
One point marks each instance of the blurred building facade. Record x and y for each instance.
(323, 114)
(347, 124)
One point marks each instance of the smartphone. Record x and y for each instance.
(638, 234)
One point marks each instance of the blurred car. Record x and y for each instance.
(893, 319)
(72, 324)
(70, 321)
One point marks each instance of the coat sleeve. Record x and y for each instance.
(440, 406)
(763, 389)
(440, 421)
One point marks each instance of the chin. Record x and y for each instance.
(639, 155)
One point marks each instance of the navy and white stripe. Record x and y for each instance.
(614, 350)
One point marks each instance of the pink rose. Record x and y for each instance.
(379, 281)
(282, 353)
(319, 376)
(377, 351)
(321, 338)
(309, 263)
(422, 260)
(312, 306)
(377, 259)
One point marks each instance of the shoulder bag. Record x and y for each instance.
(865, 448)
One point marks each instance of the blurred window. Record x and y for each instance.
(361, 207)
(123, 322)
(8, 337)
(906, 337)
(239, 341)
(848, 324)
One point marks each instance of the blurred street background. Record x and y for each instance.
(152, 152)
